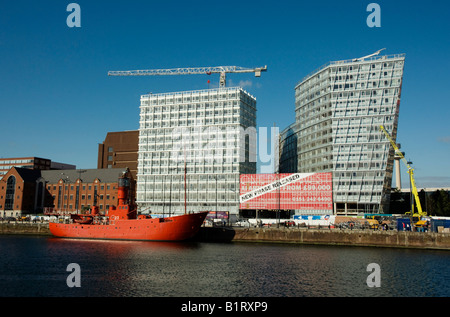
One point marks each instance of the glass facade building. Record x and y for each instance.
(288, 159)
(193, 145)
(339, 109)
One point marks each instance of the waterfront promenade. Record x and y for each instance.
(325, 236)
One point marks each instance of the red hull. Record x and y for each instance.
(176, 228)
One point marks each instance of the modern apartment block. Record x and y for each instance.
(288, 159)
(339, 109)
(193, 145)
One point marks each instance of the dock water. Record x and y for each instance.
(370, 238)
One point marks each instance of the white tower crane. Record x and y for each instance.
(222, 70)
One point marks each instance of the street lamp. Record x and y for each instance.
(217, 207)
(77, 202)
(236, 193)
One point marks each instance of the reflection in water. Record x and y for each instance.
(37, 267)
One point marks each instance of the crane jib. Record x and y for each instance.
(190, 71)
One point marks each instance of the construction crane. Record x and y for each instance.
(222, 70)
(417, 217)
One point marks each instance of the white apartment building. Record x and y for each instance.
(339, 109)
(193, 145)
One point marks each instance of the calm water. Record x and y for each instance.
(36, 266)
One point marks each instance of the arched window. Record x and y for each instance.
(10, 192)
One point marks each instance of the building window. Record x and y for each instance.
(10, 191)
(59, 197)
(77, 197)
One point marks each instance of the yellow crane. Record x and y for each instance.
(417, 217)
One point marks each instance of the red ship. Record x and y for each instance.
(123, 223)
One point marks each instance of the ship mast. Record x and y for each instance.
(185, 194)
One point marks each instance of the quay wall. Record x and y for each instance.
(26, 228)
(392, 238)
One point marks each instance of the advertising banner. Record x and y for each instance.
(299, 191)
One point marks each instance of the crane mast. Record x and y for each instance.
(410, 172)
(222, 70)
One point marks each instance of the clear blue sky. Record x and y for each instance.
(57, 101)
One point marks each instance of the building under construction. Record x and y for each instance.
(339, 109)
(193, 146)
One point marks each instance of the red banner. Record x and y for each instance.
(300, 191)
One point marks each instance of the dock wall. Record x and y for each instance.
(398, 239)
(392, 238)
(25, 228)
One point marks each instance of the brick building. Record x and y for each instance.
(18, 191)
(31, 162)
(119, 150)
(25, 191)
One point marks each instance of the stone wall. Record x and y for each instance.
(403, 239)
(24, 228)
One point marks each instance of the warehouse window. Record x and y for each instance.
(10, 191)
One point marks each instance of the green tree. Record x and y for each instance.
(399, 203)
(440, 203)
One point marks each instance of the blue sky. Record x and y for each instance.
(57, 101)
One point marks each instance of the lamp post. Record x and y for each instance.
(236, 193)
(279, 203)
(216, 197)
(215, 177)
(64, 180)
(163, 194)
(77, 202)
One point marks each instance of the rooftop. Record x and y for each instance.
(203, 91)
(105, 175)
(349, 61)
